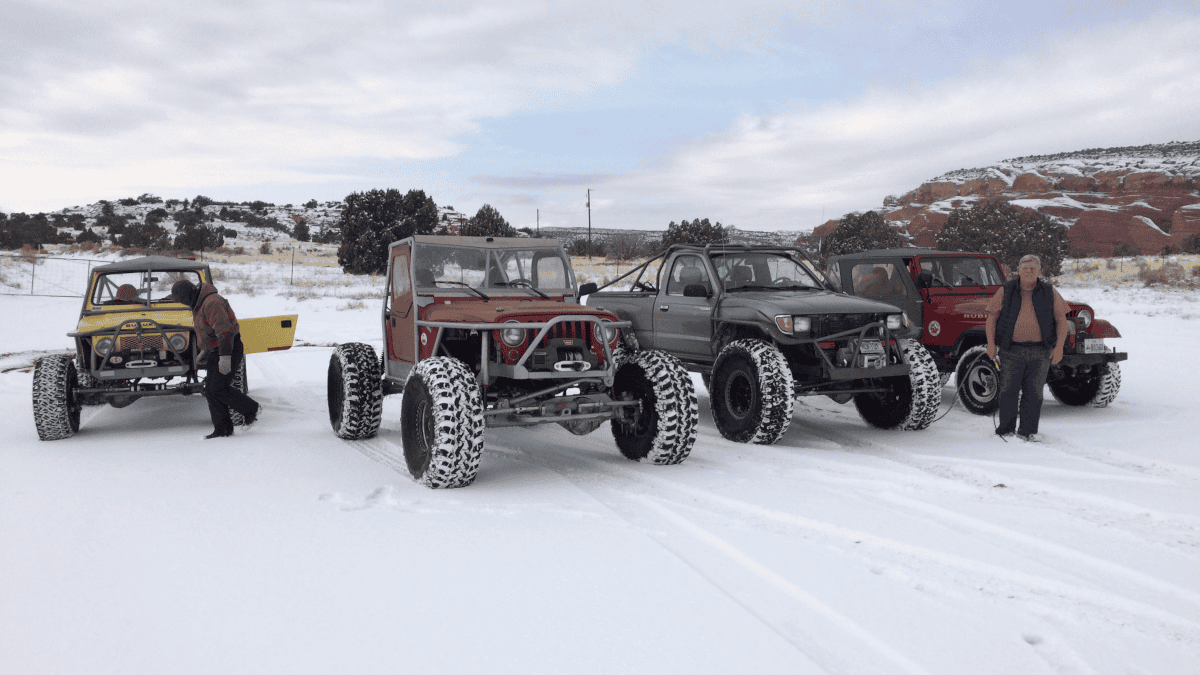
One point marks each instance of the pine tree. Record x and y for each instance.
(487, 222)
(374, 219)
(860, 232)
(1008, 232)
(697, 233)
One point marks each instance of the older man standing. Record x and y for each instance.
(1027, 326)
(218, 334)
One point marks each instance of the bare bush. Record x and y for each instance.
(1170, 274)
(265, 249)
(626, 246)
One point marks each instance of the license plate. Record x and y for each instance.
(1094, 346)
(870, 347)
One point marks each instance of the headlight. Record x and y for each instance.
(178, 342)
(1085, 318)
(793, 324)
(894, 321)
(103, 346)
(606, 333)
(512, 336)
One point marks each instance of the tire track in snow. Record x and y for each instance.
(983, 578)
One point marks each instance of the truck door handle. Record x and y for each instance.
(663, 308)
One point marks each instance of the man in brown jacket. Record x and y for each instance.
(217, 333)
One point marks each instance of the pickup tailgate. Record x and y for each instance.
(268, 334)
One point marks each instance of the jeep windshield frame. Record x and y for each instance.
(124, 291)
(539, 270)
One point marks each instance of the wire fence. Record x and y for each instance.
(39, 275)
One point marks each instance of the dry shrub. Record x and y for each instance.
(1111, 264)
(1170, 274)
(29, 254)
(1089, 267)
(265, 249)
(231, 250)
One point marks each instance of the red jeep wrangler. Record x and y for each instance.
(945, 293)
(483, 331)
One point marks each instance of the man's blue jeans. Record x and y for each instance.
(1023, 369)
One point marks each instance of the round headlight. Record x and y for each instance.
(1085, 318)
(607, 333)
(103, 346)
(178, 341)
(512, 336)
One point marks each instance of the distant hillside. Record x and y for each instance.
(1145, 197)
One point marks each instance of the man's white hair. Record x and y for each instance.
(1030, 258)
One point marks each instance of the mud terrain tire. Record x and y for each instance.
(751, 392)
(911, 402)
(355, 391)
(1093, 390)
(442, 420)
(664, 431)
(241, 383)
(55, 410)
(977, 381)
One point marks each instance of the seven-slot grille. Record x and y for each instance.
(568, 329)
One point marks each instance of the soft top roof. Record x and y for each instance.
(148, 263)
(486, 242)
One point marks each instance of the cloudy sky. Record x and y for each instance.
(765, 114)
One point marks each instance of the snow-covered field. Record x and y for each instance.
(139, 547)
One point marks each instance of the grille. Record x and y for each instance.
(836, 323)
(151, 342)
(567, 329)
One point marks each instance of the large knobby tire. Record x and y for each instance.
(664, 430)
(751, 392)
(626, 347)
(355, 391)
(442, 420)
(55, 410)
(978, 381)
(1096, 389)
(241, 383)
(911, 401)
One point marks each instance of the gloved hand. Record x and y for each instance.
(226, 364)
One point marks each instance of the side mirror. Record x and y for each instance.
(588, 288)
(924, 280)
(695, 291)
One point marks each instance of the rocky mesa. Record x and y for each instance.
(1147, 197)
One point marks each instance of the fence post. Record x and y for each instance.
(32, 274)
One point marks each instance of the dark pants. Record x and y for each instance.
(221, 395)
(1023, 369)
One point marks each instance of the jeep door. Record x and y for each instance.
(683, 322)
(400, 316)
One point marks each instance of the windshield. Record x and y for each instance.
(763, 270)
(544, 269)
(139, 288)
(963, 271)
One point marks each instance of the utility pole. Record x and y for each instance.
(539, 222)
(589, 208)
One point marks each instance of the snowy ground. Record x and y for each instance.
(139, 547)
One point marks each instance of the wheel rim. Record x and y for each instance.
(981, 382)
(424, 439)
(740, 395)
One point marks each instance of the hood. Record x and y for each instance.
(770, 303)
(499, 310)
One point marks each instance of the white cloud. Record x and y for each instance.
(1122, 85)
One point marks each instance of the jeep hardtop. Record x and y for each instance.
(946, 293)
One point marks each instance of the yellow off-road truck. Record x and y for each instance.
(135, 340)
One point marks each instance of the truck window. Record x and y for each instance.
(878, 280)
(963, 271)
(687, 270)
(400, 276)
(834, 272)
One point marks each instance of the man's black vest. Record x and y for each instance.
(1043, 308)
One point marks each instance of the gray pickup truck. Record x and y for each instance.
(763, 326)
